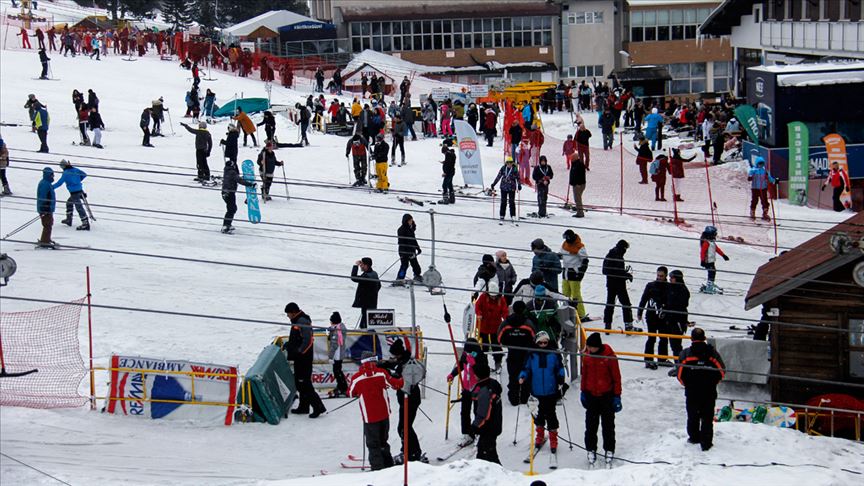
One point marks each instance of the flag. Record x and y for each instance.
(746, 114)
(799, 163)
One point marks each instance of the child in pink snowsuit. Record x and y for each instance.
(446, 114)
(523, 158)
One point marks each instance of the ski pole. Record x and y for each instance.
(285, 178)
(87, 205)
(391, 266)
(447, 417)
(18, 229)
(518, 409)
(567, 422)
(343, 405)
(349, 168)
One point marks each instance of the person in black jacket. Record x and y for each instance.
(92, 99)
(654, 301)
(232, 139)
(267, 164)
(203, 145)
(408, 248)
(368, 285)
(380, 152)
(578, 182)
(298, 348)
(399, 358)
(94, 121)
(677, 301)
(449, 171)
(515, 133)
(303, 121)
(230, 179)
(518, 330)
(145, 127)
(43, 58)
(617, 276)
(356, 147)
(487, 413)
(269, 123)
(542, 176)
(485, 272)
(700, 372)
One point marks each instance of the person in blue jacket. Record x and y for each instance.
(544, 369)
(45, 204)
(72, 177)
(759, 178)
(653, 126)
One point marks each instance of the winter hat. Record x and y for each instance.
(541, 336)
(697, 334)
(519, 307)
(368, 356)
(65, 163)
(540, 291)
(202, 125)
(335, 318)
(594, 340)
(538, 244)
(292, 308)
(488, 258)
(536, 277)
(366, 261)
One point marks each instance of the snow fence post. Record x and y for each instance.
(90, 337)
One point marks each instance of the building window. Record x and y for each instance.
(664, 25)
(723, 72)
(585, 71)
(856, 348)
(687, 78)
(581, 18)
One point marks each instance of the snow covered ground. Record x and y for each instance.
(313, 232)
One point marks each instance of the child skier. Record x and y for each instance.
(544, 369)
(487, 414)
(759, 179)
(335, 353)
(708, 255)
(472, 355)
(448, 169)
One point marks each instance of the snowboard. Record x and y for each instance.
(251, 195)
(469, 318)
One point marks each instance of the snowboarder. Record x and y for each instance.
(409, 249)
(617, 276)
(269, 123)
(4, 163)
(247, 126)
(397, 130)
(43, 59)
(46, 201)
(472, 356)
(203, 146)
(370, 384)
(230, 178)
(336, 347)
(267, 164)
(517, 334)
(448, 167)
(547, 262)
(94, 121)
(708, 251)
(368, 286)
(601, 396)
(677, 301)
(510, 183)
(72, 177)
(487, 414)
(230, 143)
(299, 349)
(759, 179)
(491, 310)
(700, 372)
(544, 372)
(399, 357)
(654, 302)
(380, 153)
(542, 176)
(356, 146)
(574, 260)
(839, 181)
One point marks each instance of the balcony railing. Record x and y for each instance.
(822, 36)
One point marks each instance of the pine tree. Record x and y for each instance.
(177, 12)
(204, 12)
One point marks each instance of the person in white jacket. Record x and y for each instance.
(574, 260)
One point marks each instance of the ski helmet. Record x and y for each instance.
(710, 230)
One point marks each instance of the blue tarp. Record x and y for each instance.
(249, 105)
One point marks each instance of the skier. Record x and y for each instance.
(83, 116)
(506, 275)
(380, 153)
(303, 121)
(209, 101)
(544, 308)
(658, 169)
(269, 123)
(43, 59)
(568, 150)
(517, 334)
(247, 126)
(491, 310)
(547, 262)
(370, 384)
(397, 131)
(72, 177)
(617, 276)
(409, 249)
(472, 356)
(229, 143)
(4, 163)
(368, 286)
(299, 349)
(676, 169)
(156, 112)
(677, 301)
(267, 164)
(356, 146)
(759, 179)
(643, 158)
(41, 121)
(542, 176)
(490, 125)
(654, 301)
(700, 372)
(145, 127)
(46, 201)
(574, 260)
(25, 38)
(708, 251)
(601, 396)
(203, 146)
(839, 181)
(230, 178)
(94, 121)
(448, 167)
(400, 355)
(510, 183)
(336, 346)
(544, 370)
(583, 135)
(487, 414)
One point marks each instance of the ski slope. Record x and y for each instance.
(323, 229)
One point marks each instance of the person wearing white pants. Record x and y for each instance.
(95, 123)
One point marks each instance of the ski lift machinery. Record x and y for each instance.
(432, 278)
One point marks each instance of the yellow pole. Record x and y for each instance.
(447, 420)
(531, 454)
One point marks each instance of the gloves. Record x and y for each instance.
(630, 277)
(580, 276)
(449, 378)
(583, 397)
(616, 404)
(726, 258)
(703, 264)
(560, 380)
(823, 188)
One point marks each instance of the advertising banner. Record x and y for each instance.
(168, 389)
(836, 148)
(469, 153)
(799, 163)
(478, 90)
(747, 116)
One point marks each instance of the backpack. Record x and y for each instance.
(654, 168)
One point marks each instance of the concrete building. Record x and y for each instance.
(591, 35)
(768, 32)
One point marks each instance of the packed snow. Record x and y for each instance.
(313, 232)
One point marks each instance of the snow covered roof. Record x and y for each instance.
(803, 68)
(799, 80)
(670, 3)
(391, 65)
(272, 20)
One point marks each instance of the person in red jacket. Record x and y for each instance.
(839, 181)
(569, 149)
(601, 395)
(370, 384)
(491, 309)
(535, 136)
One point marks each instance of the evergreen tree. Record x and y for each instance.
(177, 12)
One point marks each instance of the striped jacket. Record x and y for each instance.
(370, 383)
(706, 368)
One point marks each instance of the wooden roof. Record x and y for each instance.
(808, 261)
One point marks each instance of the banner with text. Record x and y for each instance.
(799, 163)
(746, 114)
(469, 153)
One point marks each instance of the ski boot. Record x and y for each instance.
(765, 216)
(752, 215)
(67, 221)
(651, 365)
(85, 226)
(553, 441)
(227, 230)
(6, 191)
(49, 245)
(607, 457)
(592, 458)
(540, 438)
(398, 459)
(466, 441)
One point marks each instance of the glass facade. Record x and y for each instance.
(665, 25)
(426, 35)
(687, 78)
(723, 76)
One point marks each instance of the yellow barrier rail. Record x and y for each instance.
(191, 374)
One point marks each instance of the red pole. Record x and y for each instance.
(90, 337)
(621, 200)
(710, 197)
(405, 437)
(674, 194)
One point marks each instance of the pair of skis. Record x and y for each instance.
(553, 456)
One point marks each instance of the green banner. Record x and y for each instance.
(799, 163)
(746, 114)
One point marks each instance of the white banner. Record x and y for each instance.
(469, 153)
(440, 94)
(478, 90)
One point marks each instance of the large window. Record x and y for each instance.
(580, 18)
(856, 348)
(585, 71)
(664, 25)
(687, 78)
(449, 34)
(723, 75)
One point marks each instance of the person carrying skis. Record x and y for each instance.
(4, 163)
(547, 262)
(472, 356)
(400, 355)
(448, 168)
(488, 415)
(759, 179)
(654, 301)
(267, 164)
(94, 121)
(574, 260)
(356, 146)
(368, 286)
(617, 275)
(677, 301)
(230, 178)
(299, 349)
(43, 59)
(46, 201)
(839, 181)
(336, 353)
(203, 146)
(145, 127)
(409, 249)
(491, 310)
(269, 123)
(601, 396)
(700, 372)
(380, 153)
(544, 371)
(542, 176)
(708, 251)
(72, 177)
(510, 183)
(370, 384)
(247, 126)
(516, 335)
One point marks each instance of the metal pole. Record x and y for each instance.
(432, 217)
(414, 319)
(621, 197)
(773, 215)
(405, 436)
(710, 197)
(446, 420)
(674, 194)
(90, 338)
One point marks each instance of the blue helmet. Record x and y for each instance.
(759, 161)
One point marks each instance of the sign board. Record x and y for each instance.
(799, 163)
(469, 153)
(247, 45)
(478, 90)
(836, 148)
(381, 317)
(440, 94)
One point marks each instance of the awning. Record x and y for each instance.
(641, 73)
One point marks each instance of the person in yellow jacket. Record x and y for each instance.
(574, 259)
(356, 110)
(247, 125)
(380, 152)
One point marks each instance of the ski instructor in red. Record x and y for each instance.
(370, 383)
(601, 396)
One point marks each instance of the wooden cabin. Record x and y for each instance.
(820, 286)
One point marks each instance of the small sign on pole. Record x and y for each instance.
(440, 94)
(478, 90)
(381, 317)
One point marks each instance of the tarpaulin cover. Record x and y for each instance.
(249, 105)
(272, 383)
